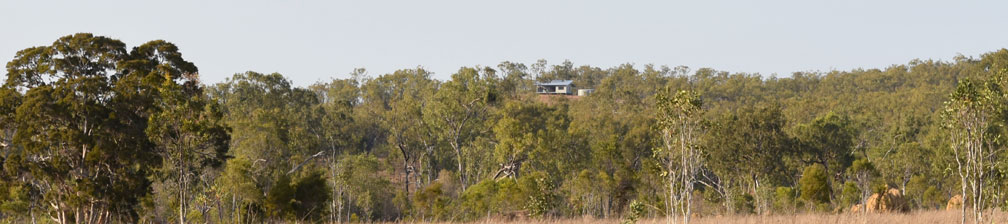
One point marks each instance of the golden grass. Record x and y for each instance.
(918, 217)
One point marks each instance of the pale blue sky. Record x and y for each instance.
(310, 41)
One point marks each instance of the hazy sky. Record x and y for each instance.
(310, 41)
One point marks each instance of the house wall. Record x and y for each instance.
(555, 89)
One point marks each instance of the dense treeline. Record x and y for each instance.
(92, 132)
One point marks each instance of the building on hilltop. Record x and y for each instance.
(561, 87)
(555, 87)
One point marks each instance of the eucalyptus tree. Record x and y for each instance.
(62, 121)
(680, 121)
(338, 100)
(458, 110)
(81, 123)
(754, 136)
(529, 131)
(828, 141)
(863, 171)
(971, 118)
(187, 128)
(515, 80)
(398, 100)
(274, 131)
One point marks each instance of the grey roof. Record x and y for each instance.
(555, 83)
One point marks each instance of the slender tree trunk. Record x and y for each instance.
(461, 169)
(31, 212)
(406, 170)
(182, 201)
(671, 202)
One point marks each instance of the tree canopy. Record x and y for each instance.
(93, 131)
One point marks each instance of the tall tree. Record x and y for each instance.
(528, 130)
(399, 100)
(827, 141)
(67, 135)
(182, 123)
(753, 136)
(458, 108)
(83, 121)
(338, 99)
(680, 115)
(970, 118)
(274, 131)
(862, 171)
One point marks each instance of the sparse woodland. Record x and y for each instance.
(94, 131)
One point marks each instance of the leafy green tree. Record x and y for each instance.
(969, 118)
(339, 135)
(457, 108)
(83, 119)
(755, 137)
(241, 190)
(827, 141)
(186, 128)
(863, 172)
(850, 194)
(814, 186)
(529, 131)
(369, 194)
(679, 119)
(15, 197)
(271, 130)
(515, 80)
(784, 198)
(399, 99)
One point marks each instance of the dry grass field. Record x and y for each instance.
(920, 217)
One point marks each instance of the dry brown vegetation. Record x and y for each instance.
(918, 217)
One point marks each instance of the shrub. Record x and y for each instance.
(850, 195)
(814, 187)
(430, 203)
(636, 212)
(278, 199)
(311, 194)
(542, 197)
(479, 199)
(784, 198)
(743, 204)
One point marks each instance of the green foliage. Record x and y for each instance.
(785, 198)
(311, 196)
(87, 123)
(370, 193)
(743, 204)
(542, 197)
(814, 187)
(456, 110)
(850, 195)
(304, 198)
(829, 142)
(924, 194)
(431, 203)
(15, 198)
(492, 198)
(480, 199)
(279, 198)
(82, 108)
(862, 166)
(636, 212)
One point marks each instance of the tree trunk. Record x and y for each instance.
(181, 189)
(963, 187)
(406, 170)
(461, 169)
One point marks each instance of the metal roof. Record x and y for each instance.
(555, 83)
